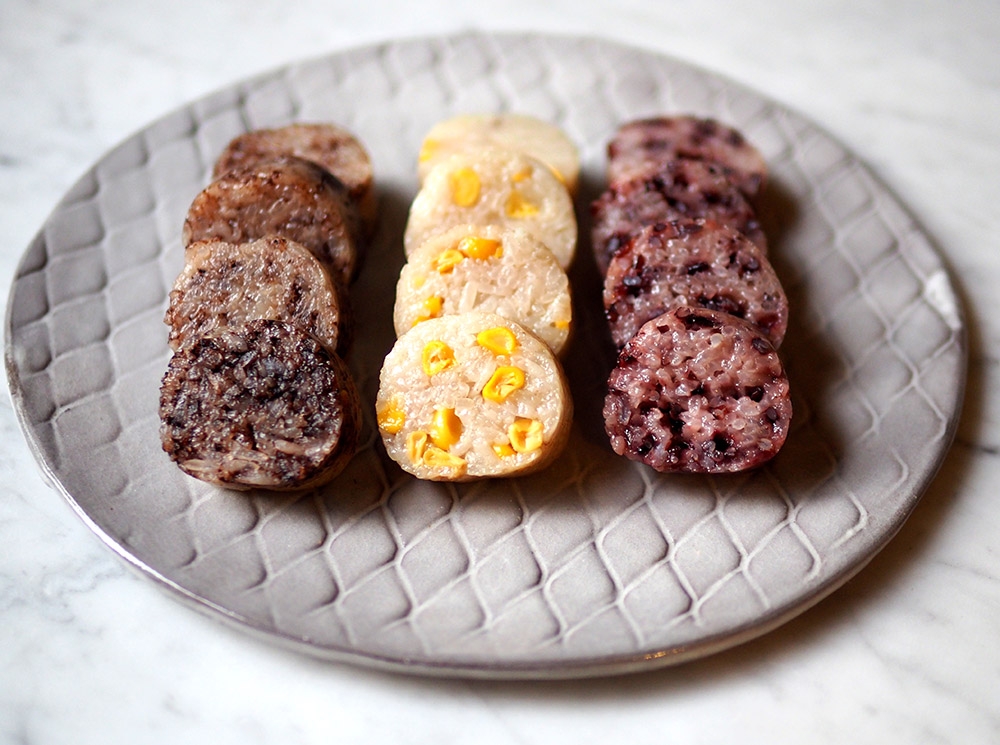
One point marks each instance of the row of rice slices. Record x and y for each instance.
(691, 299)
(473, 387)
(257, 394)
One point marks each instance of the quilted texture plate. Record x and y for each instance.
(596, 565)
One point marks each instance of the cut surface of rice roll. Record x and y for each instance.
(225, 284)
(328, 145)
(494, 187)
(516, 132)
(262, 405)
(293, 198)
(491, 269)
(472, 396)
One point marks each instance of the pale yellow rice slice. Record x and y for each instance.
(486, 268)
(472, 396)
(517, 132)
(494, 187)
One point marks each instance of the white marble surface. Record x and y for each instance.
(908, 652)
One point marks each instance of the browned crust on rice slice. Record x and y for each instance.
(291, 198)
(224, 284)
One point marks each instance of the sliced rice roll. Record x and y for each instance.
(516, 132)
(472, 396)
(699, 263)
(698, 391)
(491, 269)
(328, 145)
(644, 146)
(263, 405)
(225, 284)
(292, 198)
(493, 187)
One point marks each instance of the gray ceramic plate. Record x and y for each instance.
(596, 565)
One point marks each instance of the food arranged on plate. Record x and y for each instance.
(257, 394)
(691, 298)
(473, 387)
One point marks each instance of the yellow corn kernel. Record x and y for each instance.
(391, 419)
(479, 248)
(437, 458)
(437, 357)
(499, 340)
(448, 260)
(446, 428)
(503, 449)
(428, 150)
(562, 323)
(464, 187)
(416, 445)
(431, 309)
(519, 207)
(525, 434)
(504, 381)
(523, 175)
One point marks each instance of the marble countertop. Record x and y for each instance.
(906, 652)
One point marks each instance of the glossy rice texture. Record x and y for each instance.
(262, 405)
(451, 408)
(681, 189)
(493, 187)
(514, 132)
(697, 263)
(698, 391)
(328, 145)
(227, 284)
(490, 269)
(644, 146)
(290, 198)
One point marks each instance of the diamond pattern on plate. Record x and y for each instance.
(595, 564)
